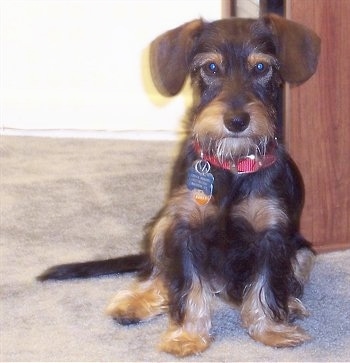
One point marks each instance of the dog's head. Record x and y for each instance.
(236, 67)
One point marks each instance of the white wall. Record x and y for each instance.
(82, 65)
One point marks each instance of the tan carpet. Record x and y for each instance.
(66, 200)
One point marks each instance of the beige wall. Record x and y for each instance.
(82, 65)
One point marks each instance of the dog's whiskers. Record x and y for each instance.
(261, 146)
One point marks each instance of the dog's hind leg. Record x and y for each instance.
(303, 264)
(143, 301)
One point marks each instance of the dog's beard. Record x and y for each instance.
(231, 148)
(215, 139)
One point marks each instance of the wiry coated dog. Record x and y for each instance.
(230, 225)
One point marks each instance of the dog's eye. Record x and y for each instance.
(261, 67)
(211, 68)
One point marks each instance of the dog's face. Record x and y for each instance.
(236, 67)
(235, 77)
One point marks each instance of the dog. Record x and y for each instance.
(230, 225)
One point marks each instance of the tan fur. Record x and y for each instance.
(149, 298)
(261, 213)
(179, 342)
(209, 125)
(193, 336)
(160, 228)
(197, 318)
(260, 126)
(144, 300)
(303, 264)
(254, 58)
(296, 307)
(181, 207)
(257, 318)
(203, 58)
(209, 122)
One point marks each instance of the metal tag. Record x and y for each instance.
(200, 181)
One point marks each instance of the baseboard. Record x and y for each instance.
(96, 134)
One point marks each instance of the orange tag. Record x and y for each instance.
(200, 197)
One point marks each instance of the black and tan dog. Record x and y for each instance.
(230, 225)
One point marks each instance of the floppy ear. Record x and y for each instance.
(169, 57)
(298, 48)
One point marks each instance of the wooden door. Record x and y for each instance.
(317, 125)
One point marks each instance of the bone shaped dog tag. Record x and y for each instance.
(200, 182)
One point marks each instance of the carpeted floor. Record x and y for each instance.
(66, 200)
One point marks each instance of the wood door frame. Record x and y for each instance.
(315, 120)
(317, 125)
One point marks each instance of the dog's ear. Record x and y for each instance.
(298, 48)
(169, 57)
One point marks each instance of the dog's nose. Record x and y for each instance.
(237, 122)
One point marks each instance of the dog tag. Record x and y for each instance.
(200, 182)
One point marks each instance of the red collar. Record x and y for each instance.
(241, 165)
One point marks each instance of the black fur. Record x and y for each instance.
(82, 270)
(229, 247)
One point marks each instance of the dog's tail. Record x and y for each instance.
(84, 270)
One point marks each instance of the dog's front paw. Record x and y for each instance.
(279, 335)
(182, 343)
